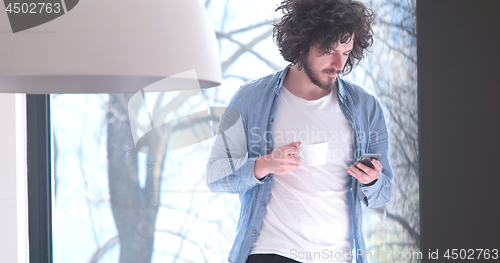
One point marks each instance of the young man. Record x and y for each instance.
(291, 211)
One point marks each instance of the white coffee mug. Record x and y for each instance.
(314, 154)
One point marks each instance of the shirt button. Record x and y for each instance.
(254, 231)
(365, 191)
(271, 120)
(263, 203)
(270, 149)
(256, 184)
(269, 177)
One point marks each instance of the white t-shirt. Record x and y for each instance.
(308, 217)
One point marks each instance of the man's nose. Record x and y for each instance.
(337, 61)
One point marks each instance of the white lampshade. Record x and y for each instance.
(110, 46)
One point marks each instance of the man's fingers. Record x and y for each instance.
(295, 144)
(356, 173)
(373, 172)
(363, 167)
(291, 150)
(293, 159)
(365, 176)
(377, 165)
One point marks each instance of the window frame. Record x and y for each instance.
(39, 178)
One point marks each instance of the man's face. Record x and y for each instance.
(322, 67)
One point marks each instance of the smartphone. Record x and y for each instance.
(366, 158)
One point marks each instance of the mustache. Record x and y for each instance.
(333, 71)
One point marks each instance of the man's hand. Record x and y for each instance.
(280, 161)
(368, 174)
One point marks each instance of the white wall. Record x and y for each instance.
(13, 187)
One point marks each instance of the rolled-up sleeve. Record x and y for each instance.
(379, 193)
(228, 167)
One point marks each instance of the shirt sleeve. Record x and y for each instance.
(379, 193)
(228, 167)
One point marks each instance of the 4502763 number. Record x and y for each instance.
(471, 254)
(33, 8)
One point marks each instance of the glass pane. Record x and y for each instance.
(114, 200)
(393, 231)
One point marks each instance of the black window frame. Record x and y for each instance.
(38, 142)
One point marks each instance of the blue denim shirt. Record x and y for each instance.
(230, 167)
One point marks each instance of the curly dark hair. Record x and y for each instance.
(306, 23)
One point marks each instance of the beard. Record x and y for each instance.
(314, 76)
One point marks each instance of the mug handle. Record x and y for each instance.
(299, 155)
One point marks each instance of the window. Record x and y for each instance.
(102, 188)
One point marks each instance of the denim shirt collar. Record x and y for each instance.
(281, 79)
(342, 93)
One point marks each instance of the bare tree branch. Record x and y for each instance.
(402, 244)
(398, 50)
(183, 237)
(244, 79)
(79, 151)
(402, 222)
(104, 248)
(160, 113)
(247, 28)
(196, 216)
(399, 26)
(246, 48)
